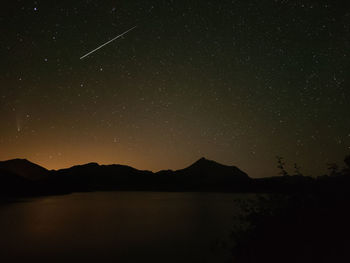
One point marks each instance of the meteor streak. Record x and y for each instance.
(107, 43)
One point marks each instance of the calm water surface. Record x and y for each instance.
(118, 227)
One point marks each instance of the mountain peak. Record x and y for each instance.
(16, 160)
(24, 168)
(204, 162)
(209, 171)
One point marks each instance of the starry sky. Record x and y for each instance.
(238, 82)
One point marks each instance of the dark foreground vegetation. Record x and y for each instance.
(304, 226)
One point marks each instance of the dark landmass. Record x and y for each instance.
(20, 177)
(301, 219)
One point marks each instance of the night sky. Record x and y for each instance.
(238, 82)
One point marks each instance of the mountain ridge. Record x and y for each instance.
(20, 177)
(202, 174)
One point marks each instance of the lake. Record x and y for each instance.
(119, 227)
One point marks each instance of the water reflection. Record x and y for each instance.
(117, 227)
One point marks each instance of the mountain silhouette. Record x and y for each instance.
(208, 174)
(22, 177)
(93, 176)
(208, 168)
(11, 183)
(24, 168)
(203, 174)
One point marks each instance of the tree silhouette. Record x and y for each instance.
(281, 165)
(297, 170)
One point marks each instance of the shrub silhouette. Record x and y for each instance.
(347, 161)
(298, 227)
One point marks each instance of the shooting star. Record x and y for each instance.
(107, 43)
